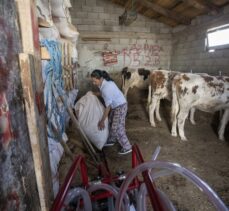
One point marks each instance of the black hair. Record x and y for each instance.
(101, 74)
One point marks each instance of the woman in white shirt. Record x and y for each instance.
(116, 104)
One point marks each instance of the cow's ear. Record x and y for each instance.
(143, 72)
(147, 72)
(125, 69)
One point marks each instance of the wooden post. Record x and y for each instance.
(32, 83)
(37, 131)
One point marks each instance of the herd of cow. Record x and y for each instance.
(186, 91)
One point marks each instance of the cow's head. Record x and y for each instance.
(125, 74)
(143, 72)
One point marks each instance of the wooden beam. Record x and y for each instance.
(128, 4)
(29, 26)
(212, 7)
(165, 12)
(195, 4)
(32, 85)
(203, 5)
(105, 39)
(36, 126)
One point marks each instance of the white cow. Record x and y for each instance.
(134, 78)
(206, 93)
(160, 84)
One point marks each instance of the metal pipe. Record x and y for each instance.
(59, 200)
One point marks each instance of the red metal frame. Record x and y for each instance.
(78, 163)
(108, 179)
(151, 187)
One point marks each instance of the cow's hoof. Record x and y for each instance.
(184, 139)
(153, 124)
(174, 134)
(159, 119)
(221, 138)
(193, 122)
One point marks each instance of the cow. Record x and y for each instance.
(203, 92)
(160, 84)
(134, 78)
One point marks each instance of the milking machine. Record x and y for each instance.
(125, 191)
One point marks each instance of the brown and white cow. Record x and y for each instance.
(160, 85)
(206, 93)
(134, 78)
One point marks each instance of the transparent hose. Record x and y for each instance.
(126, 197)
(160, 173)
(141, 201)
(204, 187)
(112, 190)
(156, 153)
(79, 192)
(154, 174)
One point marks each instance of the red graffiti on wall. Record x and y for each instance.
(131, 56)
(141, 55)
(110, 58)
(134, 56)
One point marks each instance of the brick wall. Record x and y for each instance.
(144, 43)
(189, 46)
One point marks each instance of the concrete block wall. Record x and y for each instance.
(189, 46)
(144, 43)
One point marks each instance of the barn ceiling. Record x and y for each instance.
(173, 12)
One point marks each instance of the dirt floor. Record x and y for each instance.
(203, 153)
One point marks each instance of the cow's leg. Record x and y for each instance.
(152, 108)
(174, 125)
(174, 112)
(221, 113)
(158, 110)
(223, 122)
(149, 96)
(180, 122)
(191, 117)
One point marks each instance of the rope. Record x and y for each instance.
(53, 76)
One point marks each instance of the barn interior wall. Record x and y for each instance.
(144, 43)
(189, 46)
(18, 188)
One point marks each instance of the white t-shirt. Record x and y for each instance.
(111, 94)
